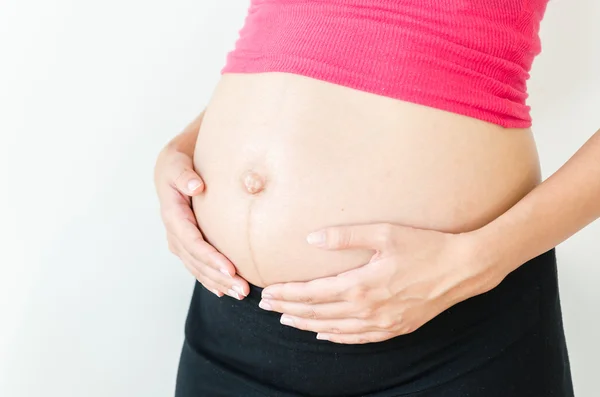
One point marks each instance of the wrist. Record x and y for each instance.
(494, 252)
(486, 262)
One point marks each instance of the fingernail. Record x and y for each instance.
(193, 184)
(233, 294)
(322, 337)
(286, 320)
(238, 289)
(264, 305)
(214, 291)
(266, 296)
(316, 238)
(225, 272)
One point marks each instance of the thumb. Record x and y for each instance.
(372, 236)
(181, 175)
(188, 182)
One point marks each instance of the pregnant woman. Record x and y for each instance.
(362, 206)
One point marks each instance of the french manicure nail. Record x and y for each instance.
(233, 294)
(264, 305)
(193, 184)
(286, 321)
(316, 238)
(225, 272)
(239, 290)
(322, 337)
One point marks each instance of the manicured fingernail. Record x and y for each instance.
(238, 289)
(193, 184)
(322, 337)
(214, 291)
(225, 272)
(266, 296)
(264, 305)
(233, 294)
(285, 320)
(316, 238)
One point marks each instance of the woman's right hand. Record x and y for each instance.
(176, 181)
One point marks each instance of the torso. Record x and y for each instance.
(330, 155)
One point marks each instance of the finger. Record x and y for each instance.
(372, 236)
(340, 326)
(356, 339)
(191, 241)
(323, 290)
(178, 169)
(184, 229)
(176, 211)
(235, 287)
(188, 182)
(212, 286)
(324, 311)
(209, 285)
(187, 261)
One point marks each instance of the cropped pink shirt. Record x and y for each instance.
(470, 57)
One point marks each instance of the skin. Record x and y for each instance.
(327, 155)
(414, 274)
(176, 181)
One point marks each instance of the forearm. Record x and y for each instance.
(186, 140)
(555, 210)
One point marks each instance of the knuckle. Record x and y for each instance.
(198, 240)
(358, 293)
(197, 247)
(386, 233)
(385, 323)
(341, 238)
(306, 299)
(399, 320)
(181, 174)
(312, 314)
(336, 238)
(365, 313)
(408, 328)
(208, 259)
(347, 237)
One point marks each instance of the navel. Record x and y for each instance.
(253, 182)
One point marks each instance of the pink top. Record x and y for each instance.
(470, 57)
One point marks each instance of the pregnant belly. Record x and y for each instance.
(284, 155)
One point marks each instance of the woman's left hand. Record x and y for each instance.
(414, 275)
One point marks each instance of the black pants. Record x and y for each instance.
(508, 342)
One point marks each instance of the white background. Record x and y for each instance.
(91, 302)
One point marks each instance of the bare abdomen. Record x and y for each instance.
(283, 155)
